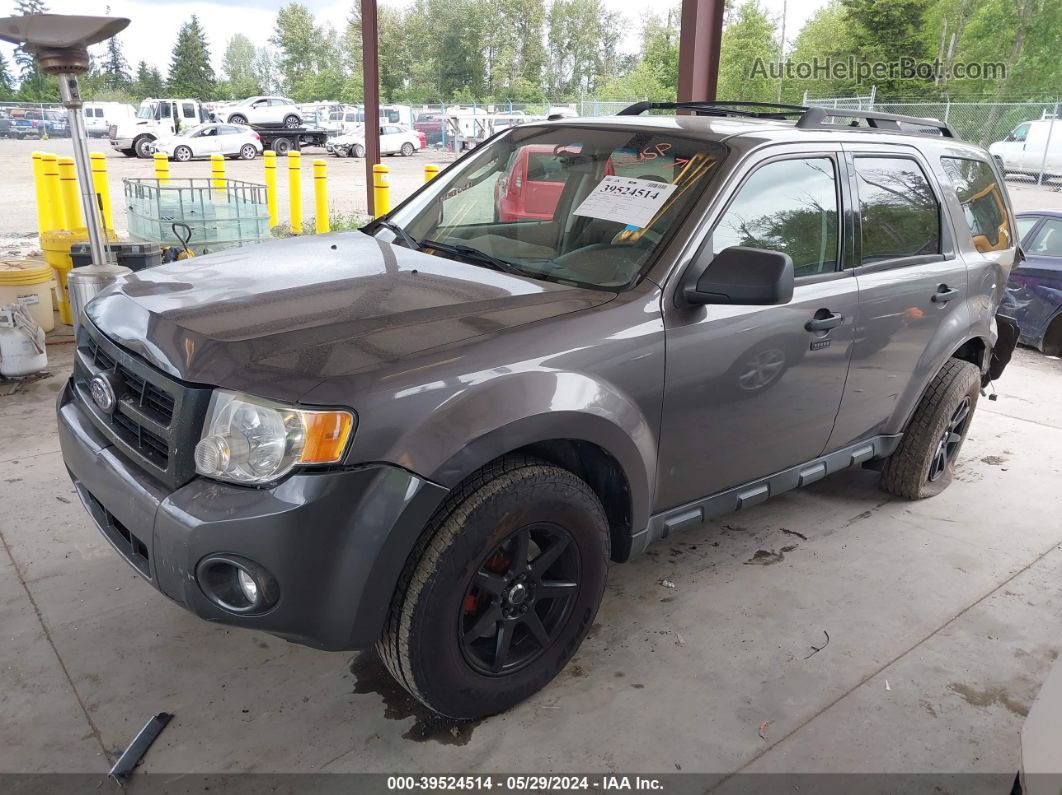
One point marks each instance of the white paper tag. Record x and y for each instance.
(29, 300)
(626, 200)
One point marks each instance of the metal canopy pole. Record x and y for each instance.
(699, 43)
(71, 96)
(370, 66)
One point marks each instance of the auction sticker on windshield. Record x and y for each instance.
(626, 200)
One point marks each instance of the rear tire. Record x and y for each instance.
(924, 463)
(282, 146)
(408, 149)
(474, 626)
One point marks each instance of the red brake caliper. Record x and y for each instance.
(496, 563)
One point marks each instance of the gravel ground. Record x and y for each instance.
(346, 180)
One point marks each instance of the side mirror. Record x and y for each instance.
(741, 275)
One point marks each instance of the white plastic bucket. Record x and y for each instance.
(29, 282)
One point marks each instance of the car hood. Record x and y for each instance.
(279, 318)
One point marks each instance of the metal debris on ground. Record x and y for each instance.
(816, 649)
(140, 745)
(667, 583)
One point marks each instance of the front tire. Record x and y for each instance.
(924, 463)
(292, 122)
(248, 152)
(182, 154)
(358, 150)
(142, 147)
(237, 118)
(501, 590)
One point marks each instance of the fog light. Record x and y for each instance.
(236, 584)
(247, 585)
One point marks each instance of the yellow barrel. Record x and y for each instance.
(430, 171)
(270, 158)
(217, 172)
(30, 283)
(71, 196)
(320, 197)
(53, 195)
(56, 247)
(100, 188)
(44, 221)
(295, 191)
(381, 189)
(162, 168)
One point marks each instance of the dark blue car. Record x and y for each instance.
(1034, 291)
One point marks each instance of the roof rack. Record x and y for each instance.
(757, 110)
(815, 119)
(808, 118)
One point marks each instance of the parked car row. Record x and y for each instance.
(33, 123)
(394, 140)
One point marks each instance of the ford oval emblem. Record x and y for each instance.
(102, 393)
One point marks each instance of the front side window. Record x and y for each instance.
(788, 206)
(982, 202)
(575, 204)
(899, 214)
(1048, 240)
(1019, 133)
(189, 110)
(165, 110)
(1025, 226)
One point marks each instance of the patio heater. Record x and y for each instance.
(60, 43)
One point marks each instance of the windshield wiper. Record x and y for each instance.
(401, 234)
(475, 254)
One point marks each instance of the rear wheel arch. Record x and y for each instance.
(974, 351)
(1051, 345)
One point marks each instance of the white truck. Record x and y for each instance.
(155, 118)
(1030, 147)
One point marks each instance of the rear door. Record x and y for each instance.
(751, 390)
(912, 290)
(1034, 291)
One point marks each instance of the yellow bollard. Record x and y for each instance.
(100, 189)
(320, 197)
(162, 168)
(53, 195)
(71, 196)
(270, 158)
(295, 191)
(217, 172)
(430, 171)
(44, 215)
(381, 190)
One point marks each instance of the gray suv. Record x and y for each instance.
(433, 434)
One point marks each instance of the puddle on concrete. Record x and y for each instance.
(370, 676)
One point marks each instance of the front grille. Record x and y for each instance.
(156, 418)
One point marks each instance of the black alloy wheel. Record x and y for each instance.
(950, 440)
(518, 599)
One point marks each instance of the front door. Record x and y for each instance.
(1012, 148)
(912, 291)
(752, 390)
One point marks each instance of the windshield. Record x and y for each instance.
(583, 205)
(146, 111)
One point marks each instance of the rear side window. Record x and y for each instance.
(788, 206)
(982, 202)
(899, 214)
(189, 110)
(1025, 225)
(1048, 240)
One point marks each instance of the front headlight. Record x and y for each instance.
(252, 440)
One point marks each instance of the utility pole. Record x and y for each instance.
(370, 63)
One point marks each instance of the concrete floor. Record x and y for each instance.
(943, 619)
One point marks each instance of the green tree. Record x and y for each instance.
(265, 70)
(825, 35)
(115, 69)
(7, 82)
(33, 84)
(886, 30)
(309, 58)
(148, 82)
(748, 39)
(191, 74)
(237, 68)
(581, 42)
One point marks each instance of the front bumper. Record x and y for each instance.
(335, 541)
(119, 144)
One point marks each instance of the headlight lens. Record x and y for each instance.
(251, 440)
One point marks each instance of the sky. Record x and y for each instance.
(152, 31)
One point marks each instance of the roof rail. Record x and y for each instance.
(809, 118)
(758, 110)
(815, 119)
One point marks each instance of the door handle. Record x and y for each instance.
(944, 294)
(823, 321)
